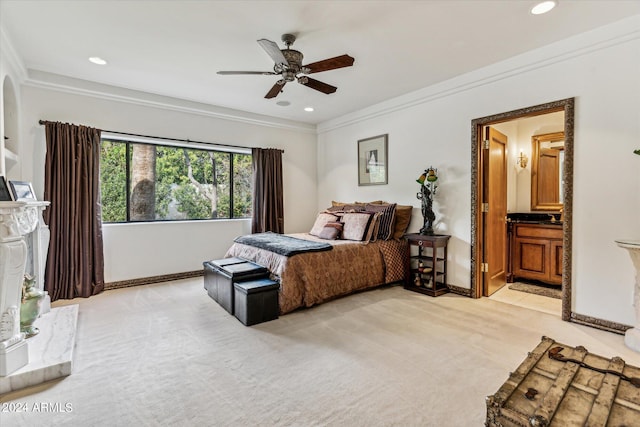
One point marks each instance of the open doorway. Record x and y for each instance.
(489, 254)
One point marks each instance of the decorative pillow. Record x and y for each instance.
(333, 209)
(329, 233)
(334, 203)
(387, 219)
(321, 220)
(353, 208)
(355, 225)
(337, 225)
(346, 208)
(372, 229)
(403, 218)
(375, 202)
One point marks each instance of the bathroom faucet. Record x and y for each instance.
(553, 217)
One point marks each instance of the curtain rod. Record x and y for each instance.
(44, 122)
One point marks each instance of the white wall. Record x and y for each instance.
(11, 74)
(143, 250)
(519, 133)
(433, 127)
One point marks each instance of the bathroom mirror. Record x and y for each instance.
(547, 161)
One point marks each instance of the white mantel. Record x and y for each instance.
(17, 220)
(632, 336)
(37, 250)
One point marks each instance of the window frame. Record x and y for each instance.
(177, 144)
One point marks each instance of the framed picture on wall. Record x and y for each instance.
(372, 160)
(22, 190)
(5, 194)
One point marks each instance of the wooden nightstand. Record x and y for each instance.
(428, 269)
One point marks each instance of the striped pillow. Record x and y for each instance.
(387, 220)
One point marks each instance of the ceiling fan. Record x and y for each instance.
(288, 64)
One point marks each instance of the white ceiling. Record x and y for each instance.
(174, 48)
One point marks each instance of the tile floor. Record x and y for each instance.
(530, 301)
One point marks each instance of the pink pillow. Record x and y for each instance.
(322, 219)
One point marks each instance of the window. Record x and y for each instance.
(140, 181)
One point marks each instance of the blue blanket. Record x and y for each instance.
(282, 244)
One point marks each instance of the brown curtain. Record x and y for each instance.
(268, 207)
(75, 264)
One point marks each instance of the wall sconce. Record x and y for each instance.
(522, 160)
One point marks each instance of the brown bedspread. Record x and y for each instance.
(311, 278)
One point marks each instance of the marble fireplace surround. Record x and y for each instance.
(24, 241)
(16, 221)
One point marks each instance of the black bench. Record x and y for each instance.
(220, 275)
(256, 301)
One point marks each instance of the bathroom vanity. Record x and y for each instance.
(534, 248)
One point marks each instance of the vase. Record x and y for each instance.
(30, 307)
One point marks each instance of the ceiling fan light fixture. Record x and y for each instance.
(289, 76)
(283, 103)
(308, 109)
(543, 7)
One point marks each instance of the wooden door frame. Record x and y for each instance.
(566, 105)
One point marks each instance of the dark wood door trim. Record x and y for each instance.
(566, 105)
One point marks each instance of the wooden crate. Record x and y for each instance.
(559, 385)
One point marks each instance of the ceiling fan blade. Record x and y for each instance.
(330, 64)
(230, 73)
(318, 85)
(276, 89)
(273, 51)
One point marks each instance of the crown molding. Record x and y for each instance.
(60, 83)
(13, 59)
(614, 34)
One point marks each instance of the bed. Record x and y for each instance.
(311, 278)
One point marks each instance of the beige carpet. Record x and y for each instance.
(166, 354)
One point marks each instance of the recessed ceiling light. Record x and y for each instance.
(543, 7)
(283, 103)
(97, 60)
(308, 109)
